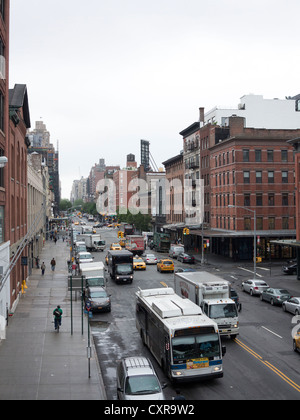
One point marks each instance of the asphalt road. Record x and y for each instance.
(259, 365)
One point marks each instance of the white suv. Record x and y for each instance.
(137, 380)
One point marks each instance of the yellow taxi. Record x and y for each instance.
(165, 264)
(76, 223)
(139, 263)
(116, 247)
(296, 342)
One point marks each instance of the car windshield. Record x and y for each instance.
(96, 281)
(195, 347)
(124, 269)
(98, 294)
(150, 256)
(226, 310)
(139, 385)
(85, 257)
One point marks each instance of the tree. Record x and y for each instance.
(65, 204)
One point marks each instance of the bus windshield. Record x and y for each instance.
(195, 347)
(226, 310)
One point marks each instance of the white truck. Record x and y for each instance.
(93, 242)
(94, 273)
(212, 294)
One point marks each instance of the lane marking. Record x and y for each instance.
(269, 365)
(272, 332)
(245, 269)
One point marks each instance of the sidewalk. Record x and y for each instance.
(36, 363)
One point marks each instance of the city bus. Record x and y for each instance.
(184, 341)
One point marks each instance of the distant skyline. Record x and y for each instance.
(104, 75)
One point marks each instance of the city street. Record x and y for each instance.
(259, 364)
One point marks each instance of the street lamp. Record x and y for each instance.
(254, 232)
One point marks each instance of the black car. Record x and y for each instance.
(186, 258)
(290, 269)
(97, 299)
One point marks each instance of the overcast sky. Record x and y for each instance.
(103, 75)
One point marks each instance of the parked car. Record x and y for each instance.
(165, 265)
(292, 305)
(137, 380)
(84, 257)
(296, 342)
(150, 259)
(254, 287)
(98, 299)
(275, 296)
(139, 263)
(186, 258)
(290, 269)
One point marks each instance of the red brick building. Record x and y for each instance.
(16, 210)
(252, 168)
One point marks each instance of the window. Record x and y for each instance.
(284, 177)
(246, 177)
(2, 8)
(271, 177)
(247, 223)
(2, 111)
(285, 199)
(246, 200)
(270, 155)
(271, 221)
(271, 199)
(257, 155)
(246, 155)
(285, 222)
(259, 223)
(284, 155)
(259, 199)
(258, 177)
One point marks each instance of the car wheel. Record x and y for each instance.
(272, 302)
(261, 297)
(297, 312)
(251, 292)
(283, 307)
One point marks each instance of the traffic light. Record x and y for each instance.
(120, 234)
(186, 231)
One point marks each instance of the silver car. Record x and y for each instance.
(254, 287)
(150, 259)
(137, 380)
(292, 305)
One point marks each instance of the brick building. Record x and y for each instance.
(252, 168)
(16, 210)
(175, 220)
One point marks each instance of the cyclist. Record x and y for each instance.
(57, 316)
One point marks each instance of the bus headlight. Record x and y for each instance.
(217, 368)
(177, 373)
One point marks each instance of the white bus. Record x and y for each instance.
(184, 341)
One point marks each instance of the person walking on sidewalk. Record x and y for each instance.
(58, 312)
(53, 264)
(43, 268)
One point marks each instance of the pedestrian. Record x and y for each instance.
(178, 396)
(53, 264)
(43, 267)
(58, 312)
(55, 240)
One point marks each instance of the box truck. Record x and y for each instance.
(120, 266)
(212, 294)
(94, 273)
